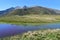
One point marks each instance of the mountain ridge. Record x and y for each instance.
(29, 10)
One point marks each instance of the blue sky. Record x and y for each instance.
(4, 4)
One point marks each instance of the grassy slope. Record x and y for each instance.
(37, 35)
(30, 19)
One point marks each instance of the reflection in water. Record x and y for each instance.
(8, 29)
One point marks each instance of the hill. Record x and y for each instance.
(4, 12)
(38, 10)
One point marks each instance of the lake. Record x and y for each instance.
(9, 29)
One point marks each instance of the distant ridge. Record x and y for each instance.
(38, 10)
(4, 12)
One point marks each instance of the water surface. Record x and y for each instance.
(8, 29)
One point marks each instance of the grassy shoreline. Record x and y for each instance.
(28, 23)
(49, 34)
(30, 19)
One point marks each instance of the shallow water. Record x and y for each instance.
(8, 29)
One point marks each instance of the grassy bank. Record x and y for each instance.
(53, 34)
(30, 19)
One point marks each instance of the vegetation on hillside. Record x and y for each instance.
(34, 16)
(38, 10)
(30, 15)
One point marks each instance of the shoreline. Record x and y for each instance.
(30, 19)
(34, 24)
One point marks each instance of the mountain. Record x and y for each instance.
(57, 11)
(4, 12)
(38, 10)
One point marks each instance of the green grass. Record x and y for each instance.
(30, 19)
(53, 34)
